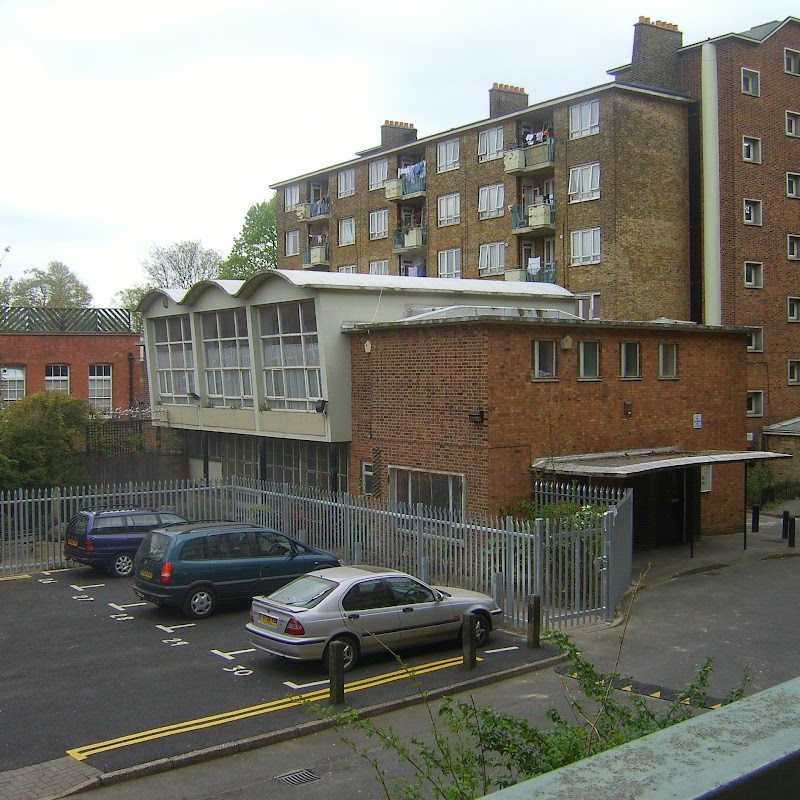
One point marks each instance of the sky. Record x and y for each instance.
(129, 125)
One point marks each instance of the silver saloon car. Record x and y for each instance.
(367, 608)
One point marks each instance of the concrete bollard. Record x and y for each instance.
(534, 620)
(469, 640)
(336, 672)
(754, 520)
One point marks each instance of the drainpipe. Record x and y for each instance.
(712, 281)
(130, 380)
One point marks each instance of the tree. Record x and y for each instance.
(255, 249)
(180, 265)
(55, 287)
(41, 436)
(130, 298)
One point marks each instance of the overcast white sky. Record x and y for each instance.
(128, 124)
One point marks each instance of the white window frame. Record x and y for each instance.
(584, 119)
(587, 305)
(667, 360)
(379, 266)
(490, 200)
(449, 209)
(793, 247)
(367, 477)
(791, 61)
(629, 351)
(793, 369)
(348, 269)
(347, 231)
(755, 403)
(227, 361)
(56, 378)
(450, 263)
(378, 173)
(751, 82)
(754, 274)
(379, 224)
(292, 243)
(793, 309)
(174, 359)
(751, 149)
(584, 182)
(544, 362)
(12, 382)
(755, 340)
(100, 387)
(585, 246)
(752, 212)
(448, 155)
(793, 185)
(291, 197)
(588, 361)
(793, 123)
(346, 181)
(490, 144)
(492, 258)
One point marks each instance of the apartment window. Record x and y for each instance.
(349, 269)
(56, 378)
(706, 477)
(585, 246)
(367, 476)
(791, 61)
(751, 149)
(379, 224)
(447, 155)
(100, 386)
(751, 82)
(588, 360)
(12, 383)
(584, 119)
(292, 243)
(793, 309)
(543, 360)
(490, 201)
(492, 258)
(587, 305)
(629, 360)
(379, 267)
(290, 353)
(378, 172)
(752, 212)
(667, 360)
(755, 404)
(754, 274)
(794, 372)
(347, 231)
(584, 183)
(410, 487)
(174, 359)
(755, 340)
(226, 348)
(291, 197)
(793, 185)
(490, 144)
(792, 123)
(450, 263)
(449, 209)
(793, 247)
(347, 182)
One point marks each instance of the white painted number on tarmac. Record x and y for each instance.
(47, 580)
(238, 670)
(175, 642)
(121, 616)
(82, 597)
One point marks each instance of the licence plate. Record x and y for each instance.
(268, 620)
(72, 542)
(146, 573)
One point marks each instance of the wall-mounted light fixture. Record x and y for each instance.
(476, 415)
(627, 408)
(194, 396)
(320, 406)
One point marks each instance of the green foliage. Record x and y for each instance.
(180, 265)
(759, 476)
(255, 249)
(584, 515)
(55, 287)
(40, 438)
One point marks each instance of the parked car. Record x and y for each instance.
(195, 566)
(107, 539)
(367, 608)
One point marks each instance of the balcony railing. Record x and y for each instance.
(529, 157)
(409, 237)
(531, 216)
(313, 209)
(317, 255)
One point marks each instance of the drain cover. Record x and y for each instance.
(297, 778)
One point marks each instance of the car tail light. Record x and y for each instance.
(251, 614)
(166, 572)
(294, 627)
(89, 545)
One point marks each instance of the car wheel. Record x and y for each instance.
(482, 629)
(122, 566)
(350, 652)
(200, 603)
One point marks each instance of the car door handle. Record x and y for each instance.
(353, 616)
(408, 609)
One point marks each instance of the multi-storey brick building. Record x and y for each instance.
(671, 191)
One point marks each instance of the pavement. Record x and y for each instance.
(65, 776)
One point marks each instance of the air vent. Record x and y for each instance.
(297, 778)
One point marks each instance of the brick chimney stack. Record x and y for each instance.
(655, 58)
(505, 99)
(394, 134)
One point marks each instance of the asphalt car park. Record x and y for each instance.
(92, 671)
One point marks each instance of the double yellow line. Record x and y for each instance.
(82, 753)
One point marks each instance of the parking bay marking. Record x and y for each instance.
(122, 607)
(82, 753)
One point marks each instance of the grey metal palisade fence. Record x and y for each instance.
(579, 566)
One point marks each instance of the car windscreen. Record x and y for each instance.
(154, 545)
(304, 592)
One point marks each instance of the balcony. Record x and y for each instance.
(318, 255)
(545, 273)
(529, 159)
(409, 238)
(313, 210)
(408, 185)
(538, 217)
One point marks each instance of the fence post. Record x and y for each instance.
(497, 593)
(509, 569)
(534, 621)
(418, 533)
